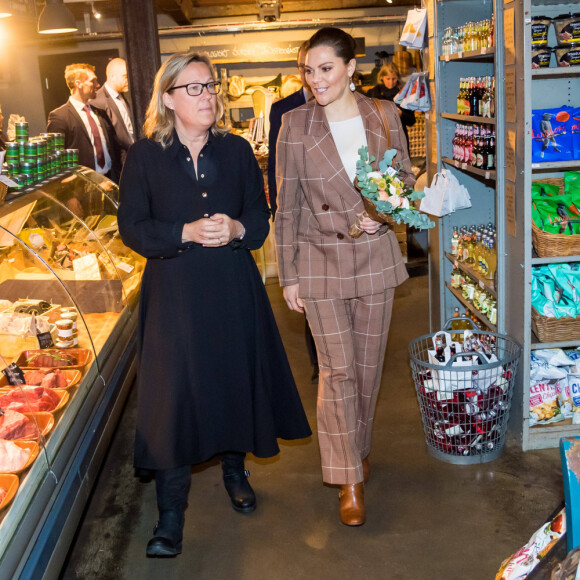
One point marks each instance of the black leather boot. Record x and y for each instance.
(172, 486)
(237, 484)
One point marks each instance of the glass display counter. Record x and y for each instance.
(64, 275)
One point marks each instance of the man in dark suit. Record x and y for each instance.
(85, 127)
(280, 107)
(111, 100)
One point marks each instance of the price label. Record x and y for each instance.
(446, 58)
(460, 55)
(481, 284)
(14, 374)
(484, 51)
(457, 164)
(45, 340)
(487, 175)
(464, 166)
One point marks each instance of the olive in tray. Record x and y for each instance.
(72, 358)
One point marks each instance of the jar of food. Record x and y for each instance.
(567, 27)
(540, 27)
(64, 328)
(541, 56)
(568, 55)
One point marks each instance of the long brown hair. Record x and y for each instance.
(159, 119)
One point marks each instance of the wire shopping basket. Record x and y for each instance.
(464, 394)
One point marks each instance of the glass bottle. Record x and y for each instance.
(454, 241)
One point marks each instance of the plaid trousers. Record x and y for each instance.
(351, 340)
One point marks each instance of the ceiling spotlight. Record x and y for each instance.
(389, 1)
(96, 14)
(56, 19)
(5, 8)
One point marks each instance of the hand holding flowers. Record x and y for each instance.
(384, 195)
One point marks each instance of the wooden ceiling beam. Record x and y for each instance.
(182, 11)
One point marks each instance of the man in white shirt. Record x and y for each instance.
(86, 127)
(110, 99)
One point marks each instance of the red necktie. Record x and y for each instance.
(96, 137)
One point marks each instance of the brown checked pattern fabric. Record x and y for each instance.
(347, 284)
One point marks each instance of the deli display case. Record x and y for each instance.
(68, 312)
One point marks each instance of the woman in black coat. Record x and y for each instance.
(389, 84)
(213, 377)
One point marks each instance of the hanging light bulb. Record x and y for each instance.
(56, 19)
(96, 14)
(5, 8)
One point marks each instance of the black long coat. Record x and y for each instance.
(213, 375)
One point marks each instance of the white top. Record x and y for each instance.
(80, 106)
(349, 137)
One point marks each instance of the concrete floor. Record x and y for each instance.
(426, 519)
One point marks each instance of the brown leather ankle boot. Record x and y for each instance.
(352, 504)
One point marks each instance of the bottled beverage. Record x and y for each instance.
(473, 98)
(455, 324)
(492, 262)
(492, 98)
(460, 98)
(454, 241)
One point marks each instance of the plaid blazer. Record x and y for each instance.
(317, 204)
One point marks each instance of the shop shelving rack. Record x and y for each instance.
(485, 186)
(535, 89)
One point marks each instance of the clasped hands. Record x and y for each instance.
(213, 232)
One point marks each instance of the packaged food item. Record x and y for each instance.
(544, 407)
(574, 389)
(571, 182)
(552, 134)
(568, 55)
(541, 56)
(559, 214)
(540, 27)
(521, 564)
(540, 189)
(567, 27)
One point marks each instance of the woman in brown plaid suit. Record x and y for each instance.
(346, 286)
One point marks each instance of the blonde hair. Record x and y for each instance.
(159, 119)
(76, 72)
(388, 68)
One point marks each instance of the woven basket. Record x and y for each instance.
(549, 245)
(549, 329)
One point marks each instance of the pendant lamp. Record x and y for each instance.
(5, 8)
(56, 18)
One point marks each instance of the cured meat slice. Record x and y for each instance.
(14, 425)
(30, 399)
(55, 380)
(51, 358)
(12, 457)
(35, 377)
(48, 378)
(3, 493)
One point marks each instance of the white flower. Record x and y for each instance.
(405, 203)
(393, 189)
(375, 174)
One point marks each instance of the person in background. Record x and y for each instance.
(86, 127)
(346, 286)
(110, 99)
(280, 107)
(389, 84)
(213, 377)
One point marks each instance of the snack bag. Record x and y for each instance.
(540, 189)
(552, 138)
(565, 398)
(574, 355)
(520, 564)
(544, 408)
(558, 214)
(571, 182)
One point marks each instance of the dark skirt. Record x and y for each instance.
(213, 374)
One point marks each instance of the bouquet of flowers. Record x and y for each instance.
(386, 198)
